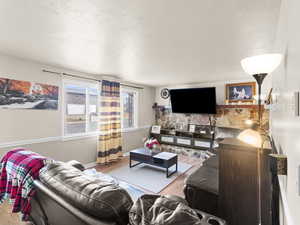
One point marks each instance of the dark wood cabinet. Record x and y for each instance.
(239, 184)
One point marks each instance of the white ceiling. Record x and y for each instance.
(154, 42)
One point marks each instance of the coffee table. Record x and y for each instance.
(160, 159)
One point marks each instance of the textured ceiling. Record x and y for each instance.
(157, 42)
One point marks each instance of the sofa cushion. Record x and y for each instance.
(101, 199)
(205, 178)
(212, 162)
(162, 210)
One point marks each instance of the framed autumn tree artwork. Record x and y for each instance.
(17, 94)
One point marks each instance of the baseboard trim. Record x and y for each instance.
(93, 164)
(29, 142)
(128, 130)
(286, 211)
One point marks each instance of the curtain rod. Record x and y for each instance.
(87, 78)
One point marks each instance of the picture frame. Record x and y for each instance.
(20, 94)
(155, 129)
(240, 92)
(192, 128)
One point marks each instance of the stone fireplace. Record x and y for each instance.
(229, 116)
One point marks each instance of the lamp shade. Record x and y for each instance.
(261, 63)
(251, 137)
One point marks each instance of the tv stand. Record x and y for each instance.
(201, 140)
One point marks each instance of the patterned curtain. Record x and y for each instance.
(110, 139)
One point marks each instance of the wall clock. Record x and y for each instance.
(165, 93)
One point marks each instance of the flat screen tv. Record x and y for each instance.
(194, 100)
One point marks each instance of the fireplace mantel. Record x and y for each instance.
(236, 106)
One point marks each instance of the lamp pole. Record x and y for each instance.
(259, 79)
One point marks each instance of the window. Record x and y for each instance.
(129, 102)
(80, 108)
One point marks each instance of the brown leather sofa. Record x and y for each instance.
(66, 196)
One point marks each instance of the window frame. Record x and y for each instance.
(135, 108)
(85, 84)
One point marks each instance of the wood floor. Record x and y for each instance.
(175, 188)
(8, 218)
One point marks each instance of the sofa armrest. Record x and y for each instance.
(205, 178)
(48, 198)
(201, 199)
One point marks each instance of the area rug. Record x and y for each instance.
(148, 177)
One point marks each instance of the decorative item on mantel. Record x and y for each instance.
(269, 100)
(159, 109)
(240, 93)
(155, 129)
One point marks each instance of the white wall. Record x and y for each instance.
(285, 125)
(33, 125)
(220, 89)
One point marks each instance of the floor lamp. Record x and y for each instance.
(259, 67)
